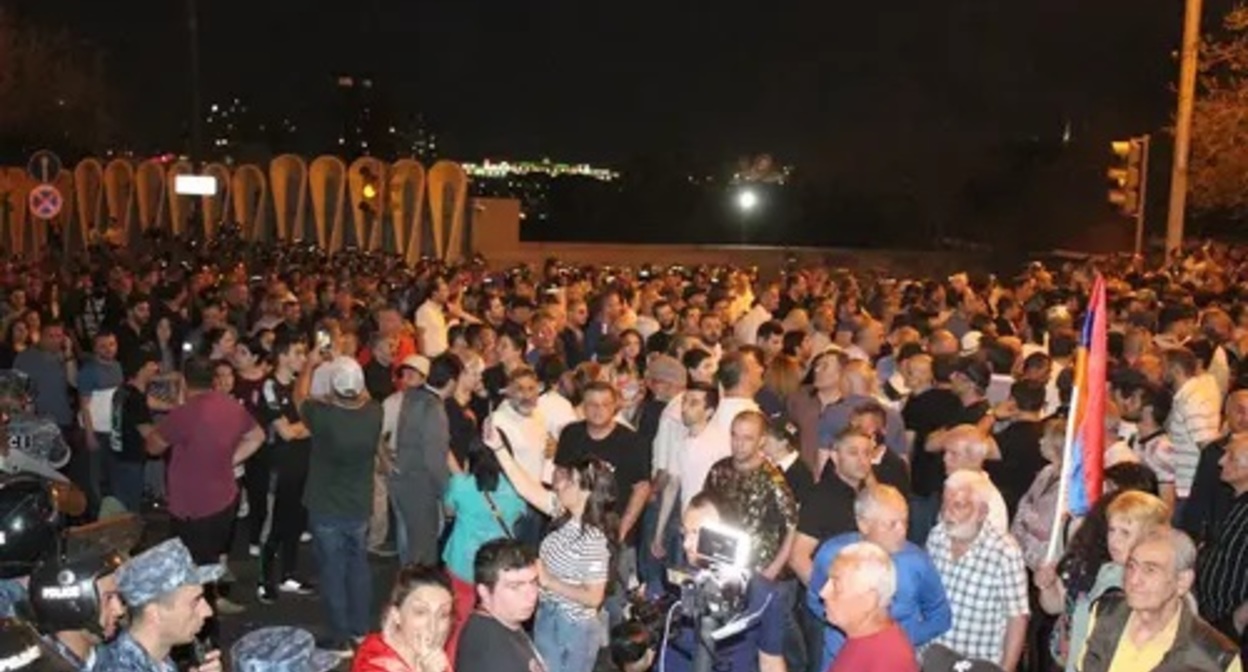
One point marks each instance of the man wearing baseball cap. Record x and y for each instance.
(164, 591)
(346, 431)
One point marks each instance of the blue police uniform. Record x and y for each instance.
(280, 649)
(153, 573)
(70, 657)
(125, 655)
(12, 593)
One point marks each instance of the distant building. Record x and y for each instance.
(412, 138)
(761, 169)
(504, 169)
(367, 124)
(532, 182)
(355, 117)
(233, 130)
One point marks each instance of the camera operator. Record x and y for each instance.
(760, 644)
(632, 647)
(75, 604)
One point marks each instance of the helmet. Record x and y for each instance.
(28, 523)
(16, 391)
(62, 592)
(22, 650)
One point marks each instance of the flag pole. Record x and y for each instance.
(1063, 483)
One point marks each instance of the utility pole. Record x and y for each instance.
(1146, 141)
(1183, 125)
(197, 134)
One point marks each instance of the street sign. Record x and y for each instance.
(45, 201)
(44, 166)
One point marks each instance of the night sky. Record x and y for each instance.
(926, 92)
(598, 81)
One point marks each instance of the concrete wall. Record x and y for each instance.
(496, 231)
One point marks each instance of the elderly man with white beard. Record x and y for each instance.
(983, 573)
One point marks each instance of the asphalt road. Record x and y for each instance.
(306, 612)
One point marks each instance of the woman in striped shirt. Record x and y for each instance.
(574, 558)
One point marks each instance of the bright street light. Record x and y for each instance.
(747, 200)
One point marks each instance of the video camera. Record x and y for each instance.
(715, 596)
(717, 589)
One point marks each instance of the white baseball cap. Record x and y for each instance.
(347, 380)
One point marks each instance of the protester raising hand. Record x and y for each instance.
(526, 486)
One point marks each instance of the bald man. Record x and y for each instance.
(856, 597)
(919, 605)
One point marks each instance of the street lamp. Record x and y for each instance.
(747, 200)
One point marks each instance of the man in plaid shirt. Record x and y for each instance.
(983, 574)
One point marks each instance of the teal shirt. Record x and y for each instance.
(475, 522)
(1108, 577)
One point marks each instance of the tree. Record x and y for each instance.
(1218, 166)
(53, 90)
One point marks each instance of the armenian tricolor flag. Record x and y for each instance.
(1083, 461)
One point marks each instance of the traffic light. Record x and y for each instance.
(369, 192)
(1128, 174)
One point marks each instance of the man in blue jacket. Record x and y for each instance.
(920, 605)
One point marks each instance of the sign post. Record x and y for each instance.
(45, 201)
(44, 166)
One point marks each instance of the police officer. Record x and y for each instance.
(21, 650)
(74, 603)
(164, 591)
(28, 529)
(280, 648)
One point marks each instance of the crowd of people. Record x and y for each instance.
(542, 447)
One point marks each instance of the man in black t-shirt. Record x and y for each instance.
(970, 382)
(510, 348)
(888, 467)
(599, 435)
(135, 332)
(132, 422)
(290, 449)
(493, 639)
(828, 509)
(926, 413)
(1021, 459)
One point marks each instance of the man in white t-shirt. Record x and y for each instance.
(704, 444)
(431, 319)
(746, 329)
(555, 409)
(740, 373)
(522, 427)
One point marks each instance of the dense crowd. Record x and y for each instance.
(542, 447)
